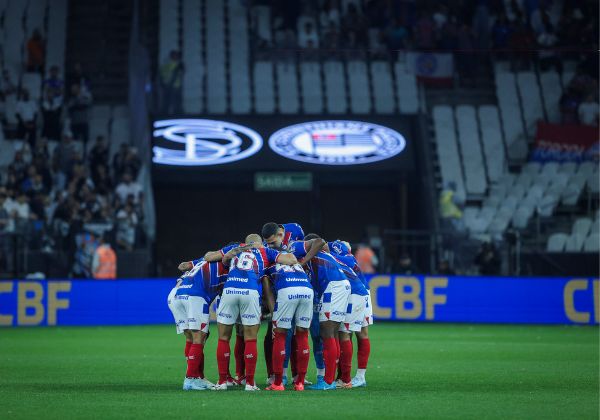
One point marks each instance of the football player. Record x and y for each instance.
(241, 299)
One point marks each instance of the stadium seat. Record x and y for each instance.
(335, 87)
(446, 146)
(491, 138)
(547, 205)
(100, 111)
(99, 127)
(216, 81)
(530, 100)
(383, 87)
(592, 243)
(287, 88)
(587, 168)
(582, 226)
(56, 38)
(532, 168)
(406, 90)
(593, 183)
(264, 95)
(262, 22)
(556, 242)
(169, 28)
(120, 111)
(358, 80)
(595, 229)
(239, 68)
(311, 87)
(470, 146)
(574, 242)
(569, 168)
(512, 123)
(36, 14)
(551, 92)
(522, 215)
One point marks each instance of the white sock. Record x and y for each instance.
(320, 372)
(360, 373)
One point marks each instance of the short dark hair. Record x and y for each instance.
(312, 236)
(269, 229)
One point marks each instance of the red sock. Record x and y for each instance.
(278, 356)
(268, 350)
(338, 350)
(223, 354)
(293, 353)
(201, 362)
(364, 349)
(302, 355)
(188, 345)
(329, 357)
(193, 361)
(346, 360)
(239, 355)
(250, 354)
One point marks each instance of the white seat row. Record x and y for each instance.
(311, 87)
(531, 101)
(216, 82)
(239, 81)
(287, 88)
(264, 91)
(512, 123)
(358, 80)
(335, 87)
(193, 77)
(447, 148)
(470, 146)
(383, 92)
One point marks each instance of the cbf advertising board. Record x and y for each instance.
(395, 298)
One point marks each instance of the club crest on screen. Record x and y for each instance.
(337, 142)
(199, 142)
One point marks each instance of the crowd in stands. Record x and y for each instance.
(579, 101)
(519, 30)
(58, 187)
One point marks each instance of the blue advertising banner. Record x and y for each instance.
(394, 297)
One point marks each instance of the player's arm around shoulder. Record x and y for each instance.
(235, 252)
(313, 247)
(286, 259)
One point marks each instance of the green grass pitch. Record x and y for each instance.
(425, 371)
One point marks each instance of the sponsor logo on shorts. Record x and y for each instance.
(304, 318)
(191, 319)
(339, 313)
(237, 292)
(285, 319)
(248, 316)
(186, 286)
(299, 296)
(224, 315)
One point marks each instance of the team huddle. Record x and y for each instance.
(306, 285)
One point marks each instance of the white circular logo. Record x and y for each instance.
(196, 142)
(337, 142)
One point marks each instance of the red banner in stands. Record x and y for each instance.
(564, 143)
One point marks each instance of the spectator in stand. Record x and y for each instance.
(27, 112)
(36, 52)
(424, 32)
(126, 160)
(18, 167)
(569, 106)
(78, 76)
(6, 225)
(366, 258)
(98, 154)
(7, 86)
(588, 111)
(407, 267)
(126, 225)
(307, 35)
(171, 75)
(129, 187)
(330, 15)
(521, 42)
(488, 260)
(78, 106)
(54, 83)
(64, 157)
(20, 212)
(102, 181)
(501, 35)
(397, 37)
(445, 269)
(449, 35)
(51, 112)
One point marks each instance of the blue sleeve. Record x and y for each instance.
(194, 262)
(227, 248)
(297, 248)
(272, 255)
(296, 230)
